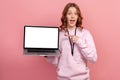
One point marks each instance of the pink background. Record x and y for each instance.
(101, 17)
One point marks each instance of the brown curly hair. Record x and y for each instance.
(64, 19)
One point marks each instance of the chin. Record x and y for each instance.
(72, 25)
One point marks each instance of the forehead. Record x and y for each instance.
(72, 9)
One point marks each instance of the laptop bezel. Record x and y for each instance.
(40, 48)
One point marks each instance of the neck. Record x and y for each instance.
(71, 27)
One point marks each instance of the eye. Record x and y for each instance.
(69, 13)
(76, 14)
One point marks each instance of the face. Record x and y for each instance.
(72, 17)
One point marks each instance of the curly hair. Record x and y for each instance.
(64, 19)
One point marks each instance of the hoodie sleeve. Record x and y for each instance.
(54, 59)
(87, 47)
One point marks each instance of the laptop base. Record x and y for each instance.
(41, 53)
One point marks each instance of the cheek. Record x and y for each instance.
(68, 17)
(76, 17)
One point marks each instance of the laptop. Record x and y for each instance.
(41, 40)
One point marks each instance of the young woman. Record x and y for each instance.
(76, 46)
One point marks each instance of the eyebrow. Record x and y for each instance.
(71, 11)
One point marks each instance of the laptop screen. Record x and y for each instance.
(41, 37)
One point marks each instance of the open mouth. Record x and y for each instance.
(72, 21)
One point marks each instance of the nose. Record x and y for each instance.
(72, 16)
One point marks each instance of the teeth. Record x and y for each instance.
(72, 20)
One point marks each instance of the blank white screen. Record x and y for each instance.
(39, 37)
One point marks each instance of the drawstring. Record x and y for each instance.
(72, 44)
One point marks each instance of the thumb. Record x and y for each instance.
(66, 34)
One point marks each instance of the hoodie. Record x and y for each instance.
(74, 67)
